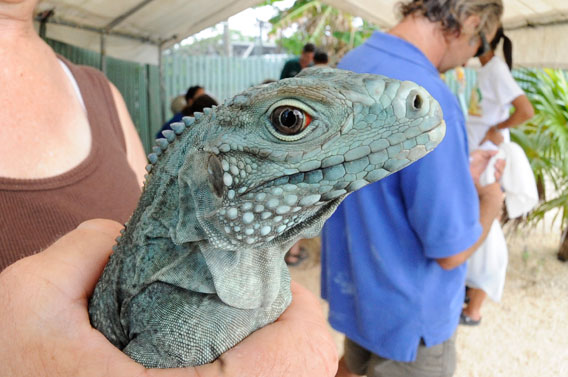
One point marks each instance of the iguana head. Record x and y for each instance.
(272, 163)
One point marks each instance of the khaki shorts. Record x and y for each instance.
(435, 361)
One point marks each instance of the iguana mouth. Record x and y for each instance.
(324, 212)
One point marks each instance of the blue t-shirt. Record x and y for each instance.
(379, 271)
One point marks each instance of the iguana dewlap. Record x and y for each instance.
(200, 264)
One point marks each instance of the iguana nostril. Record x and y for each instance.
(215, 170)
(417, 103)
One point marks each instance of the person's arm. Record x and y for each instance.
(45, 328)
(134, 149)
(490, 202)
(523, 111)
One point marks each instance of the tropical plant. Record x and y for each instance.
(545, 141)
(330, 29)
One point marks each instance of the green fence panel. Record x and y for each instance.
(76, 55)
(222, 77)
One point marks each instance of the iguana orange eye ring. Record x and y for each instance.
(288, 120)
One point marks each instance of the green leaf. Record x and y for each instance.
(545, 137)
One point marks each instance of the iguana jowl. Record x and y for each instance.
(200, 265)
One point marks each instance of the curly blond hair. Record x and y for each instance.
(451, 13)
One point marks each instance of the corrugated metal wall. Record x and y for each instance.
(222, 77)
(139, 83)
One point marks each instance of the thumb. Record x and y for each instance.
(77, 259)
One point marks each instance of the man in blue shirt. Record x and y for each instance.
(293, 66)
(393, 253)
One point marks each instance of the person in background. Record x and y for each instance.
(68, 148)
(394, 252)
(320, 58)
(199, 104)
(488, 126)
(192, 93)
(497, 93)
(177, 104)
(293, 66)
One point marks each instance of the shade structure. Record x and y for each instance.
(138, 30)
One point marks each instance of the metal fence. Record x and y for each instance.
(222, 77)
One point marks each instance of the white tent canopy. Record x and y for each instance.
(138, 30)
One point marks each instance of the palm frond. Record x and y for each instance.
(545, 137)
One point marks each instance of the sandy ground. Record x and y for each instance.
(526, 334)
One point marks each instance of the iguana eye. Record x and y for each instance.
(288, 120)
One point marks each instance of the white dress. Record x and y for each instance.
(487, 267)
(490, 105)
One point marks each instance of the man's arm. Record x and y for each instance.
(490, 203)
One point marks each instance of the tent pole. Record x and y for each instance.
(162, 84)
(149, 131)
(103, 53)
(43, 17)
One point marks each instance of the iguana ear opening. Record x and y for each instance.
(200, 192)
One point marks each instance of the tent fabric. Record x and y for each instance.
(138, 29)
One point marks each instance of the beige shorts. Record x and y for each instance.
(435, 361)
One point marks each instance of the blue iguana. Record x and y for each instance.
(200, 264)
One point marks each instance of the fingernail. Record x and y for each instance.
(108, 227)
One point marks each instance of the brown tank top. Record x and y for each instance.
(36, 212)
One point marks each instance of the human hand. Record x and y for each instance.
(491, 198)
(478, 161)
(499, 169)
(493, 135)
(45, 328)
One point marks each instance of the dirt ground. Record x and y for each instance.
(526, 334)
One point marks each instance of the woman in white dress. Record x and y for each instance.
(497, 105)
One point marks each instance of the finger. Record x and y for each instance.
(489, 153)
(109, 227)
(77, 259)
(501, 163)
(303, 301)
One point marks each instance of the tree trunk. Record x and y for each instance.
(563, 251)
(540, 189)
